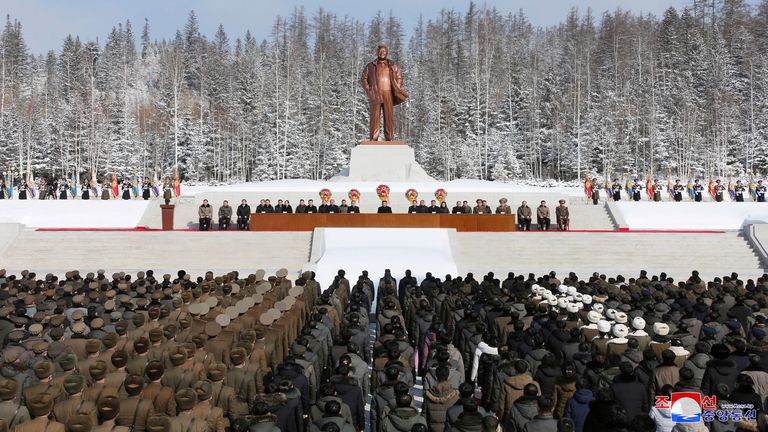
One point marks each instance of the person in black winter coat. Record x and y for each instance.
(647, 367)
(289, 415)
(294, 373)
(243, 215)
(547, 375)
(720, 370)
(605, 414)
(744, 393)
(739, 354)
(348, 390)
(629, 392)
(470, 419)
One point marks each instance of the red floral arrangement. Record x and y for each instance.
(382, 191)
(440, 195)
(354, 195)
(411, 195)
(325, 195)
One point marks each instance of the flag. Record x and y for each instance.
(609, 188)
(649, 188)
(9, 186)
(73, 186)
(588, 188)
(115, 190)
(691, 190)
(155, 189)
(753, 190)
(177, 185)
(732, 189)
(712, 191)
(31, 185)
(670, 188)
(93, 187)
(135, 186)
(628, 188)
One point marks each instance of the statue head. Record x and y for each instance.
(381, 51)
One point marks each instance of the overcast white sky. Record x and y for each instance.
(47, 22)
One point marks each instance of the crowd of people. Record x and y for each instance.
(694, 190)
(243, 211)
(64, 189)
(249, 353)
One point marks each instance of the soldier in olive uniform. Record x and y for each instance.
(167, 190)
(563, 216)
(524, 216)
(542, 216)
(40, 406)
(12, 411)
(134, 411)
(185, 420)
(75, 404)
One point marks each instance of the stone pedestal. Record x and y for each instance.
(167, 216)
(393, 142)
(385, 161)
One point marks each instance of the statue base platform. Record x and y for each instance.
(393, 142)
(385, 161)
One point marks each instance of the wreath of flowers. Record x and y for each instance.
(382, 191)
(325, 195)
(411, 195)
(440, 195)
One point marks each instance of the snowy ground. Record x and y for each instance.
(692, 215)
(73, 213)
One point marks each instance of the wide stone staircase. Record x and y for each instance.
(611, 253)
(587, 217)
(131, 251)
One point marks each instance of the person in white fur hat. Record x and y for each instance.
(618, 344)
(586, 300)
(620, 318)
(572, 318)
(681, 354)
(660, 340)
(600, 342)
(638, 333)
(589, 331)
(598, 307)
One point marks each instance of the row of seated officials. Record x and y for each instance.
(205, 212)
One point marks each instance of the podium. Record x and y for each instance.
(167, 216)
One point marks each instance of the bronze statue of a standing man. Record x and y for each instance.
(383, 82)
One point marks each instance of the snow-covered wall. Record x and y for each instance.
(691, 215)
(74, 213)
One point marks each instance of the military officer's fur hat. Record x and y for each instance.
(8, 389)
(73, 384)
(98, 370)
(40, 404)
(203, 389)
(186, 399)
(43, 369)
(108, 407)
(217, 371)
(158, 423)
